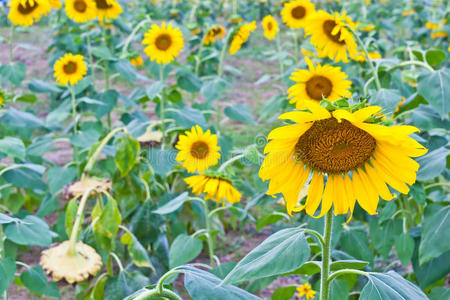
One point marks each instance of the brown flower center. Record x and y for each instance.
(27, 9)
(334, 148)
(269, 26)
(80, 6)
(199, 150)
(328, 27)
(163, 42)
(317, 86)
(298, 12)
(70, 68)
(102, 4)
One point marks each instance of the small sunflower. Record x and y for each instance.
(367, 28)
(78, 188)
(439, 34)
(136, 61)
(296, 12)
(270, 26)
(81, 11)
(347, 159)
(307, 291)
(330, 36)
(26, 12)
(198, 150)
(407, 13)
(70, 69)
(361, 57)
(320, 81)
(59, 263)
(216, 187)
(433, 26)
(241, 37)
(163, 43)
(107, 9)
(215, 33)
(55, 4)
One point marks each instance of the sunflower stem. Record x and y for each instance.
(11, 53)
(230, 161)
(280, 60)
(91, 59)
(209, 239)
(106, 71)
(160, 285)
(220, 74)
(75, 124)
(162, 107)
(324, 282)
(345, 271)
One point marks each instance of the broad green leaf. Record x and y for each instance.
(435, 57)
(35, 280)
(339, 289)
(404, 245)
(109, 220)
(212, 89)
(280, 253)
(154, 90)
(39, 86)
(58, 177)
(127, 153)
(98, 291)
(125, 69)
(85, 139)
(435, 234)
(267, 220)
(40, 146)
(118, 288)
(26, 177)
(138, 253)
(383, 237)
(5, 219)
(27, 98)
(103, 52)
(439, 293)
(313, 267)
(390, 286)
(14, 72)
(184, 249)
(188, 81)
(21, 119)
(356, 243)
(432, 164)
(32, 231)
(162, 161)
(7, 271)
(284, 293)
(172, 205)
(388, 99)
(435, 89)
(188, 117)
(13, 146)
(241, 113)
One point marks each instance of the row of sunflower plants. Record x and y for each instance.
(152, 141)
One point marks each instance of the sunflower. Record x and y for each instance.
(296, 12)
(270, 26)
(2, 97)
(330, 36)
(108, 9)
(215, 33)
(215, 186)
(198, 150)
(307, 291)
(361, 57)
(81, 11)
(78, 188)
(433, 26)
(137, 61)
(439, 34)
(70, 69)
(347, 159)
(408, 12)
(26, 12)
(320, 81)
(241, 37)
(163, 43)
(55, 4)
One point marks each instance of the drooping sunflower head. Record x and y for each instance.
(241, 37)
(214, 186)
(296, 12)
(330, 36)
(306, 290)
(81, 11)
(346, 158)
(317, 83)
(59, 263)
(78, 188)
(70, 69)
(270, 26)
(214, 33)
(163, 43)
(107, 9)
(26, 12)
(198, 150)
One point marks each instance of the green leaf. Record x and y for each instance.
(126, 70)
(58, 177)
(339, 289)
(7, 271)
(20, 119)
(127, 153)
(188, 117)
(267, 220)
(85, 139)
(241, 113)
(5, 219)
(162, 161)
(432, 164)
(435, 89)
(348, 264)
(14, 72)
(356, 243)
(154, 90)
(26, 177)
(439, 293)
(39, 86)
(435, 57)
(118, 288)
(32, 231)
(98, 291)
(390, 286)
(13, 146)
(40, 146)
(172, 205)
(404, 244)
(383, 237)
(137, 252)
(280, 253)
(103, 53)
(109, 220)
(212, 89)
(435, 234)
(284, 293)
(184, 249)
(188, 81)
(27, 98)
(35, 280)
(388, 99)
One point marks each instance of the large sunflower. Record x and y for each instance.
(26, 12)
(70, 69)
(320, 81)
(81, 11)
(295, 13)
(214, 33)
(330, 36)
(241, 37)
(215, 187)
(346, 158)
(163, 43)
(198, 150)
(270, 26)
(108, 9)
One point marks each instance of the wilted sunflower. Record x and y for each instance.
(163, 43)
(346, 158)
(81, 11)
(241, 37)
(150, 138)
(59, 263)
(198, 150)
(215, 33)
(330, 36)
(320, 81)
(307, 291)
(270, 26)
(78, 188)
(215, 186)
(70, 69)
(295, 13)
(107, 9)
(26, 12)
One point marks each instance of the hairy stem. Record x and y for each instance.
(324, 283)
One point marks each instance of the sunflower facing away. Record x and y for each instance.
(108, 9)
(70, 69)
(320, 81)
(163, 43)
(241, 37)
(81, 11)
(270, 26)
(307, 291)
(198, 150)
(215, 33)
(346, 159)
(295, 13)
(26, 12)
(216, 187)
(330, 37)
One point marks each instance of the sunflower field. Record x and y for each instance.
(224, 149)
